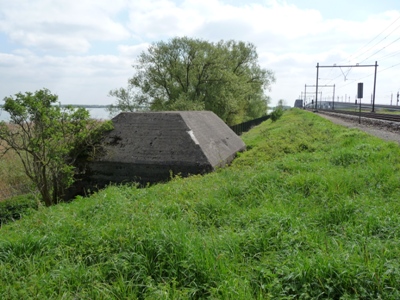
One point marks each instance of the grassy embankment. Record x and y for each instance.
(310, 211)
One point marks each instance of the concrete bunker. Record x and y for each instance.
(149, 147)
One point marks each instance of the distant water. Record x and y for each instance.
(99, 113)
(95, 113)
(4, 116)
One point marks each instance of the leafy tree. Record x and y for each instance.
(127, 101)
(48, 138)
(281, 103)
(193, 74)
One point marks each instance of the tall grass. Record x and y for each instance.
(13, 180)
(310, 211)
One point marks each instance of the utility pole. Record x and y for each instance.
(333, 98)
(316, 88)
(373, 98)
(307, 85)
(349, 66)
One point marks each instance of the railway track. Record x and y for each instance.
(378, 116)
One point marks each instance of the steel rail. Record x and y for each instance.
(370, 115)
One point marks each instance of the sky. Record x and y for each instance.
(80, 50)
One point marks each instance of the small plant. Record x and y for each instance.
(276, 113)
(14, 208)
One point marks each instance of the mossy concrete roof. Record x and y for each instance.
(150, 146)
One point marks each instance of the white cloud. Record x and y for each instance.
(132, 52)
(9, 60)
(61, 25)
(57, 40)
(76, 79)
(152, 20)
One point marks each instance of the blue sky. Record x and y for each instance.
(81, 50)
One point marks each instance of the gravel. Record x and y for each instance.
(386, 130)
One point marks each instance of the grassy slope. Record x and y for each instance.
(310, 211)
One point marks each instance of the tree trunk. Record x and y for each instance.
(45, 189)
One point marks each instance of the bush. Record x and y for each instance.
(276, 114)
(49, 139)
(14, 208)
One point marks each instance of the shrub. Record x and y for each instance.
(276, 114)
(49, 139)
(14, 208)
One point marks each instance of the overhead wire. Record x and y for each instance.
(381, 49)
(348, 59)
(376, 44)
(379, 71)
(356, 55)
(388, 56)
(395, 65)
(340, 75)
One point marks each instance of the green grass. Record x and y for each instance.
(310, 211)
(393, 111)
(16, 207)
